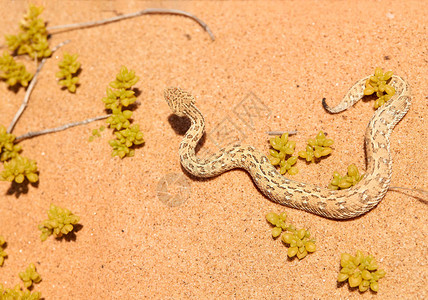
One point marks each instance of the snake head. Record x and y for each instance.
(178, 100)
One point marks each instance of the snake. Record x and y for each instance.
(333, 204)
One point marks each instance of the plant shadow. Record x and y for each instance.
(18, 189)
(71, 236)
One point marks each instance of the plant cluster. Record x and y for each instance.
(13, 72)
(298, 239)
(379, 84)
(281, 153)
(317, 148)
(68, 68)
(18, 294)
(343, 182)
(30, 276)
(33, 38)
(118, 98)
(3, 254)
(8, 148)
(60, 222)
(16, 167)
(361, 271)
(283, 149)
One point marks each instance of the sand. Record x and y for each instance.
(268, 69)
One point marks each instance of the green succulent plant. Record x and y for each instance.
(116, 100)
(300, 243)
(8, 148)
(343, 182)
(18, 294)
(281, 153)
(3, 254)
(317, 148)
(119, 119)
(18, 168)
(12, 72)
(30, 276)
(59, 223)
(379, 84)
(360, 271)
(69, 66)
(298, 239)
(126, 138)
(32, 38)
(124, 79)
(278, 221)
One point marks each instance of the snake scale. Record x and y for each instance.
(339, 204)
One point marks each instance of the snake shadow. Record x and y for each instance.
(408, 193)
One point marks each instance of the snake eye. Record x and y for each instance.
(178, 100)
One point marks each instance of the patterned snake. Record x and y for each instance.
(339, 204)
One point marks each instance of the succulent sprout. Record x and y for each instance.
(69, 66)
(281, 152)
(59, 223)
(379, 84)
(317, 148)
(361, 271)
(298, 239)
(116, 100)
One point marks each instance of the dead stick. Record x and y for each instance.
(136, 14)
(60, 128)
(30, 89)
(281, 132)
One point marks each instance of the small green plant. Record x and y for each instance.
(317, 148)
(12, 72)
(300, 242)
(343, 182)
(30, 276)
(60, 222)
(69, 66)
(33, 38)
(18, 169)
(361, 271)
(3, 254)
(8, 148)
(298, 239)
(118, 98)
(278, 221)
(281, 153)
(96, 133)
(379, 84)
(18, 294)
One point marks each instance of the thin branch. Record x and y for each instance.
(30, 89)
(32, 134)
(26, 98)
(293, 132)
(136, 14)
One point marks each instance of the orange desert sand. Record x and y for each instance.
(150, 230)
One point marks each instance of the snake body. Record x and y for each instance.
(339, 204)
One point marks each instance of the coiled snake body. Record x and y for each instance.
(340, 204)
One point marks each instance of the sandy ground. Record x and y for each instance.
(268, 69)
